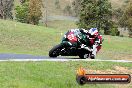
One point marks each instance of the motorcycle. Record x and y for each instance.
(70, 46)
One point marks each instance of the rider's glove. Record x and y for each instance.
(94, 47)
(83, 46)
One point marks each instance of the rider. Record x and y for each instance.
(95, 41)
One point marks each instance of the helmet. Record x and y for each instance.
(93, 32)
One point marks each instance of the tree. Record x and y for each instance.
(68, 10)
(29, 11)
(22, 1)
(76, 7)
(116, 14)
(6, 8)
(22, 13)
(126, 1)
(34, 11)
(95, 13)
(87, 13)
(57, 4)
(126, 19)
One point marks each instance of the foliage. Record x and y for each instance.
(114, 31)
(95, 13)
(22, 13)
(111, 29)
(126, 1)
(57, 4)
(29, 11)
(126, 19)
(117, 13)
(35, 11)
(76, 7)
(68, 10)
(6, 9)
(22, 1)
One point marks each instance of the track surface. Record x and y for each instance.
(24, 57)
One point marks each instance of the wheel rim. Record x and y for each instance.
(56, 52)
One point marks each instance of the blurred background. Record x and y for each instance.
(65, 14)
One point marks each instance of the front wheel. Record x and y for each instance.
(55, 51)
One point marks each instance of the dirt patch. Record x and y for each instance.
(117, 70)
(115, 55)
(123, 70)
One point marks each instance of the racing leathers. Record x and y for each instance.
(92, 43)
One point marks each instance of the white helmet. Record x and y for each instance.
(93, 31)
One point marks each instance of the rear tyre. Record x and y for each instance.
(55, 51)
(83, 56)
(92, 56)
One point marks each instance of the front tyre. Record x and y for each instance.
(55, 51)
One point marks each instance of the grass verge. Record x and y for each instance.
(52, 74)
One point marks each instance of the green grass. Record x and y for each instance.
(38, 40)
(50, 74)
(22, 38)
(62, 24)
(116, 48)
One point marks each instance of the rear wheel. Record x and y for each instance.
(92, 56)
(83, 56)
(55, 51)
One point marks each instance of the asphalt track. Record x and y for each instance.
(24, 57)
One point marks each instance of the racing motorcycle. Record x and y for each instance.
(70, 46)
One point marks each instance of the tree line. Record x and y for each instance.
(6, 7)
(100, 14)
(29, 11)
(91, 13)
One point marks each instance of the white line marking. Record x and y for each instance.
(19, 60)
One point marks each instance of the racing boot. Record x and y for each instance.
(94, 52)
